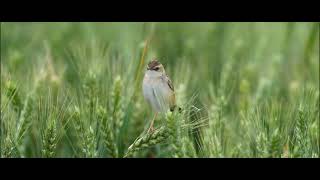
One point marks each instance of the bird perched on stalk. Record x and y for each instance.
(158, 90)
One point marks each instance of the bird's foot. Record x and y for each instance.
(151, 129)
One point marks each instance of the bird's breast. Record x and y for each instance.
(156, 92)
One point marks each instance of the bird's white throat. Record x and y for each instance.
(153, 74)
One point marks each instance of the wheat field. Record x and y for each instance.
(74, 90)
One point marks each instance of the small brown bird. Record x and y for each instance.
(158, 90)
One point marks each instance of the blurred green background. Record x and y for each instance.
(256, 85)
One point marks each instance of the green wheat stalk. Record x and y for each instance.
(49, 140)
(148, 140)
(106, 131)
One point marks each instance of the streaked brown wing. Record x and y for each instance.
(170, 84)
(172, 98)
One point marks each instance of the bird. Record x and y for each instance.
(158, 90)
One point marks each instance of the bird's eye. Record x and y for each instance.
(156, 69)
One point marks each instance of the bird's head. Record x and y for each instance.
(155, 66)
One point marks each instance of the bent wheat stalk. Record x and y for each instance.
(148, 140)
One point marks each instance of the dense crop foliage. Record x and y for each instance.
(74, 89)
